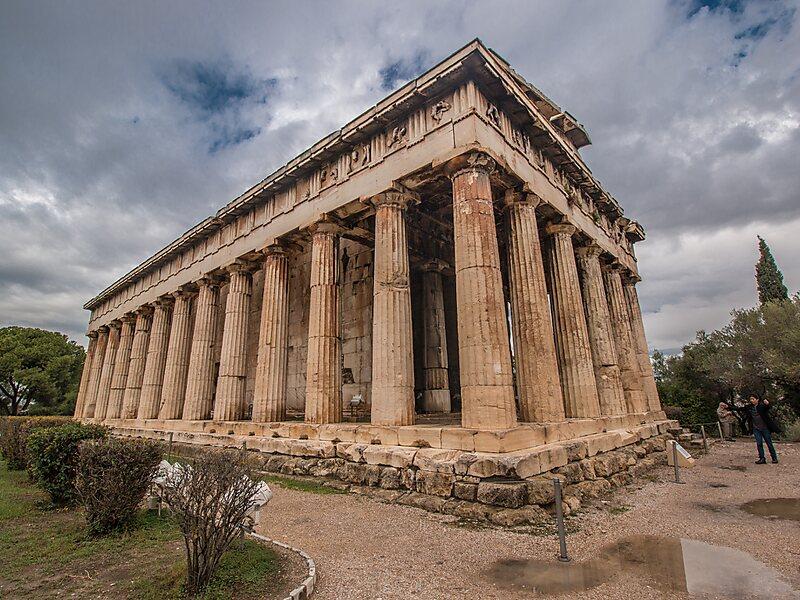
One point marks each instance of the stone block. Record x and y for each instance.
(458, 438)
(436, 459)
(576, 450)
(601, 442)
(523, 464)
(338, 431)
(353, 473)
(423, 501)
(609, 463)
(465, 491)
(408, 478)
(581, 427)
(540, 490)
(488, 465)
(620, 479)
(373, 434)
(463, 463)
(419, 436)
(587, 466)
(572, 472)
(551, 456)
(434, 483)
(514, 517)
(509, 494)
(372, 475)
(390, 478)
(392, 456)
(472, 510)
(556, 432)
(590, 489)
(508, 440)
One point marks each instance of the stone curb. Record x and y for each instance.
(306, 588)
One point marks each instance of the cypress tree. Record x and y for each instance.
(768, 277)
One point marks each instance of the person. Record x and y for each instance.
(727, 420)
(763, 427)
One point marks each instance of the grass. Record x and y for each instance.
(302, 485)
(47, 553)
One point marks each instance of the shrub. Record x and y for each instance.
(112, 478)
(673, 412)
(210, 499)
(53, 457)
(14, 432)
(791, 432)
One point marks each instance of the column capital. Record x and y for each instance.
(276, 248)
(436, 265)
(613, 267)
(513, 197)
(165, 301)
(240, 266)
(185, 291)
(395, 196)
(115, 324)
(590, 250)
(209, 280)
(561, 229)
(630, 278)
(472, 161)
(325, 225)
(92, 335)
(128, 317)
(103, 329)
(145, 309)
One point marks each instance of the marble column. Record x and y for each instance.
(538, 384)
(487, 385)
(623, 340)
(642, 352)
(85, 375)
(436, 384)
(269, 399)
(90, 401)
(121, 368)
(153, 379)
(601, 336)
(133, 385)
(392, 337)
(109, 360)
(323, 367)
(232, 383)
(176, 367)
(571, 334)
(200, 380)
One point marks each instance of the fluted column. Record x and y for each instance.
(90, 401)
(487, 386)
(133, 385)
(232, 383)
(80, 401)
(200, 380)
(323, 367)
(156, 360)
(637, 328)
(176, 366)
(601, 337)
(538, 384)
(121, 367)
(104, 385)
(269, 399)
(436, 384)
(392, 337)
(572, 337)
(623, 340)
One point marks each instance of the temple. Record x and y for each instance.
(440, 284)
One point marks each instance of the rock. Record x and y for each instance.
(576, 450)
(512, 517)
(435, 484)
(507, 494)
(465, 491)
(372, 475)
(390, 478)
(473, 510)
(540, 490)
(573, 473)
(423, 501)
(587, 466)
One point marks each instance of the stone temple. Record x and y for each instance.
(438, 298)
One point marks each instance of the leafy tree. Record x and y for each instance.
(768, 277)
(40, 371)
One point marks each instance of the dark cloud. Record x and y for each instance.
(123, 126)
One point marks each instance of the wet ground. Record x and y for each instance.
(730, 532)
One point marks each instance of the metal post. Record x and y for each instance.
(719, 428)
(169, 448)
(675, 461)
(705, 439)
(562, 536)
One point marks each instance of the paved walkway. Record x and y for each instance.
(365, 549)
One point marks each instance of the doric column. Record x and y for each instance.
(623, 340)
(538, 384)
(487, 385)
(90, 401)
(323, 368)
(133, 386)
(392, 337)
(80, 401)
(601, 336)
(104, 385)
(572, 338)
(232, 383)
(176, 366)
(436, 384)
(121, 366)
(156, 360)
(637, 328)
(200, 380)
(269, 399)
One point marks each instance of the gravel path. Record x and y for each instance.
(365, 549)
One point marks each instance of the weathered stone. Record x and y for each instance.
(540, 490)
(465, 491)
(587, 466)
(513, 517)
(436, 460)
(572, 472)
(509, 494)
(390, 478)
(392, 456)
(436, 484)
(473, 510)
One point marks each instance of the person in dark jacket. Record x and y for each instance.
(763, 428)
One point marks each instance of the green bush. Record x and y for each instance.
(14, 432)
(791, 432)
(53, 458)
(112, 478)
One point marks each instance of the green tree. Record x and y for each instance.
(769, 278)
(40, 371)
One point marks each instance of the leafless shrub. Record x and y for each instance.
(210, 499)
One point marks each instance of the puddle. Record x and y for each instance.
(774, 508)
(674, 564)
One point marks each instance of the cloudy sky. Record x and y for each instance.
(123, 124)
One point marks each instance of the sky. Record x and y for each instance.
(124, 124)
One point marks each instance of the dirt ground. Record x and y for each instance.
(365, 549)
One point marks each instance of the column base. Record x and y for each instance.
(436, 401)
